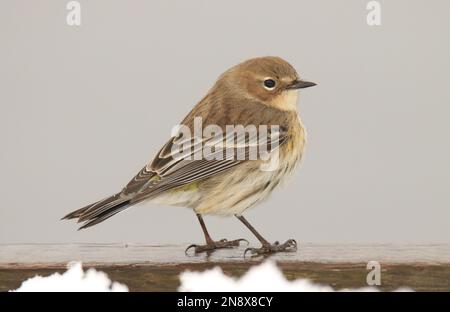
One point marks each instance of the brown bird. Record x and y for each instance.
(258, 92)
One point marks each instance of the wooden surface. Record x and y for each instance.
(36, 255)
(156, 268)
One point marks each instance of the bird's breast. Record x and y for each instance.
(292, 151)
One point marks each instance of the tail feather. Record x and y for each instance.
(77, 213)
(105, 215)
(99, 211)
(101, 206)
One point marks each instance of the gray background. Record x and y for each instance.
(82, 109)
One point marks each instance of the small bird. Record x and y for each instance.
(259, 91)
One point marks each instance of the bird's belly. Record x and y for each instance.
(187, 197)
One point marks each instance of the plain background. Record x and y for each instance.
(82, 109)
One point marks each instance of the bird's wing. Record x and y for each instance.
(166, 172)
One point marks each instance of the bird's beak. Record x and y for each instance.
(300, 84)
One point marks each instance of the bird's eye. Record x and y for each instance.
(269, 84)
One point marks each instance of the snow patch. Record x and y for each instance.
(73, 280)
(264, 277)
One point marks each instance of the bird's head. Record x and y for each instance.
(270, 80)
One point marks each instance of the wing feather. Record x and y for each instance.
(166, 172)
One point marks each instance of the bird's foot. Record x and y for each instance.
(289, 246)
(223, 243)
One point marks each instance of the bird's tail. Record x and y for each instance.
(100, 211)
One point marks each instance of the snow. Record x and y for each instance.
(264, 277)
(73, 280)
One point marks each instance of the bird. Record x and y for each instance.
(261, 91)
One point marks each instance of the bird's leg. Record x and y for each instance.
(210, 243)
(289, 246)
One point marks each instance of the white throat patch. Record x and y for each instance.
(287, 100)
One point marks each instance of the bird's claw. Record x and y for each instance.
(223, 243)
(289, 246)
(189, 247)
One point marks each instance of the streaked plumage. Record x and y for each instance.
(227, 186)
